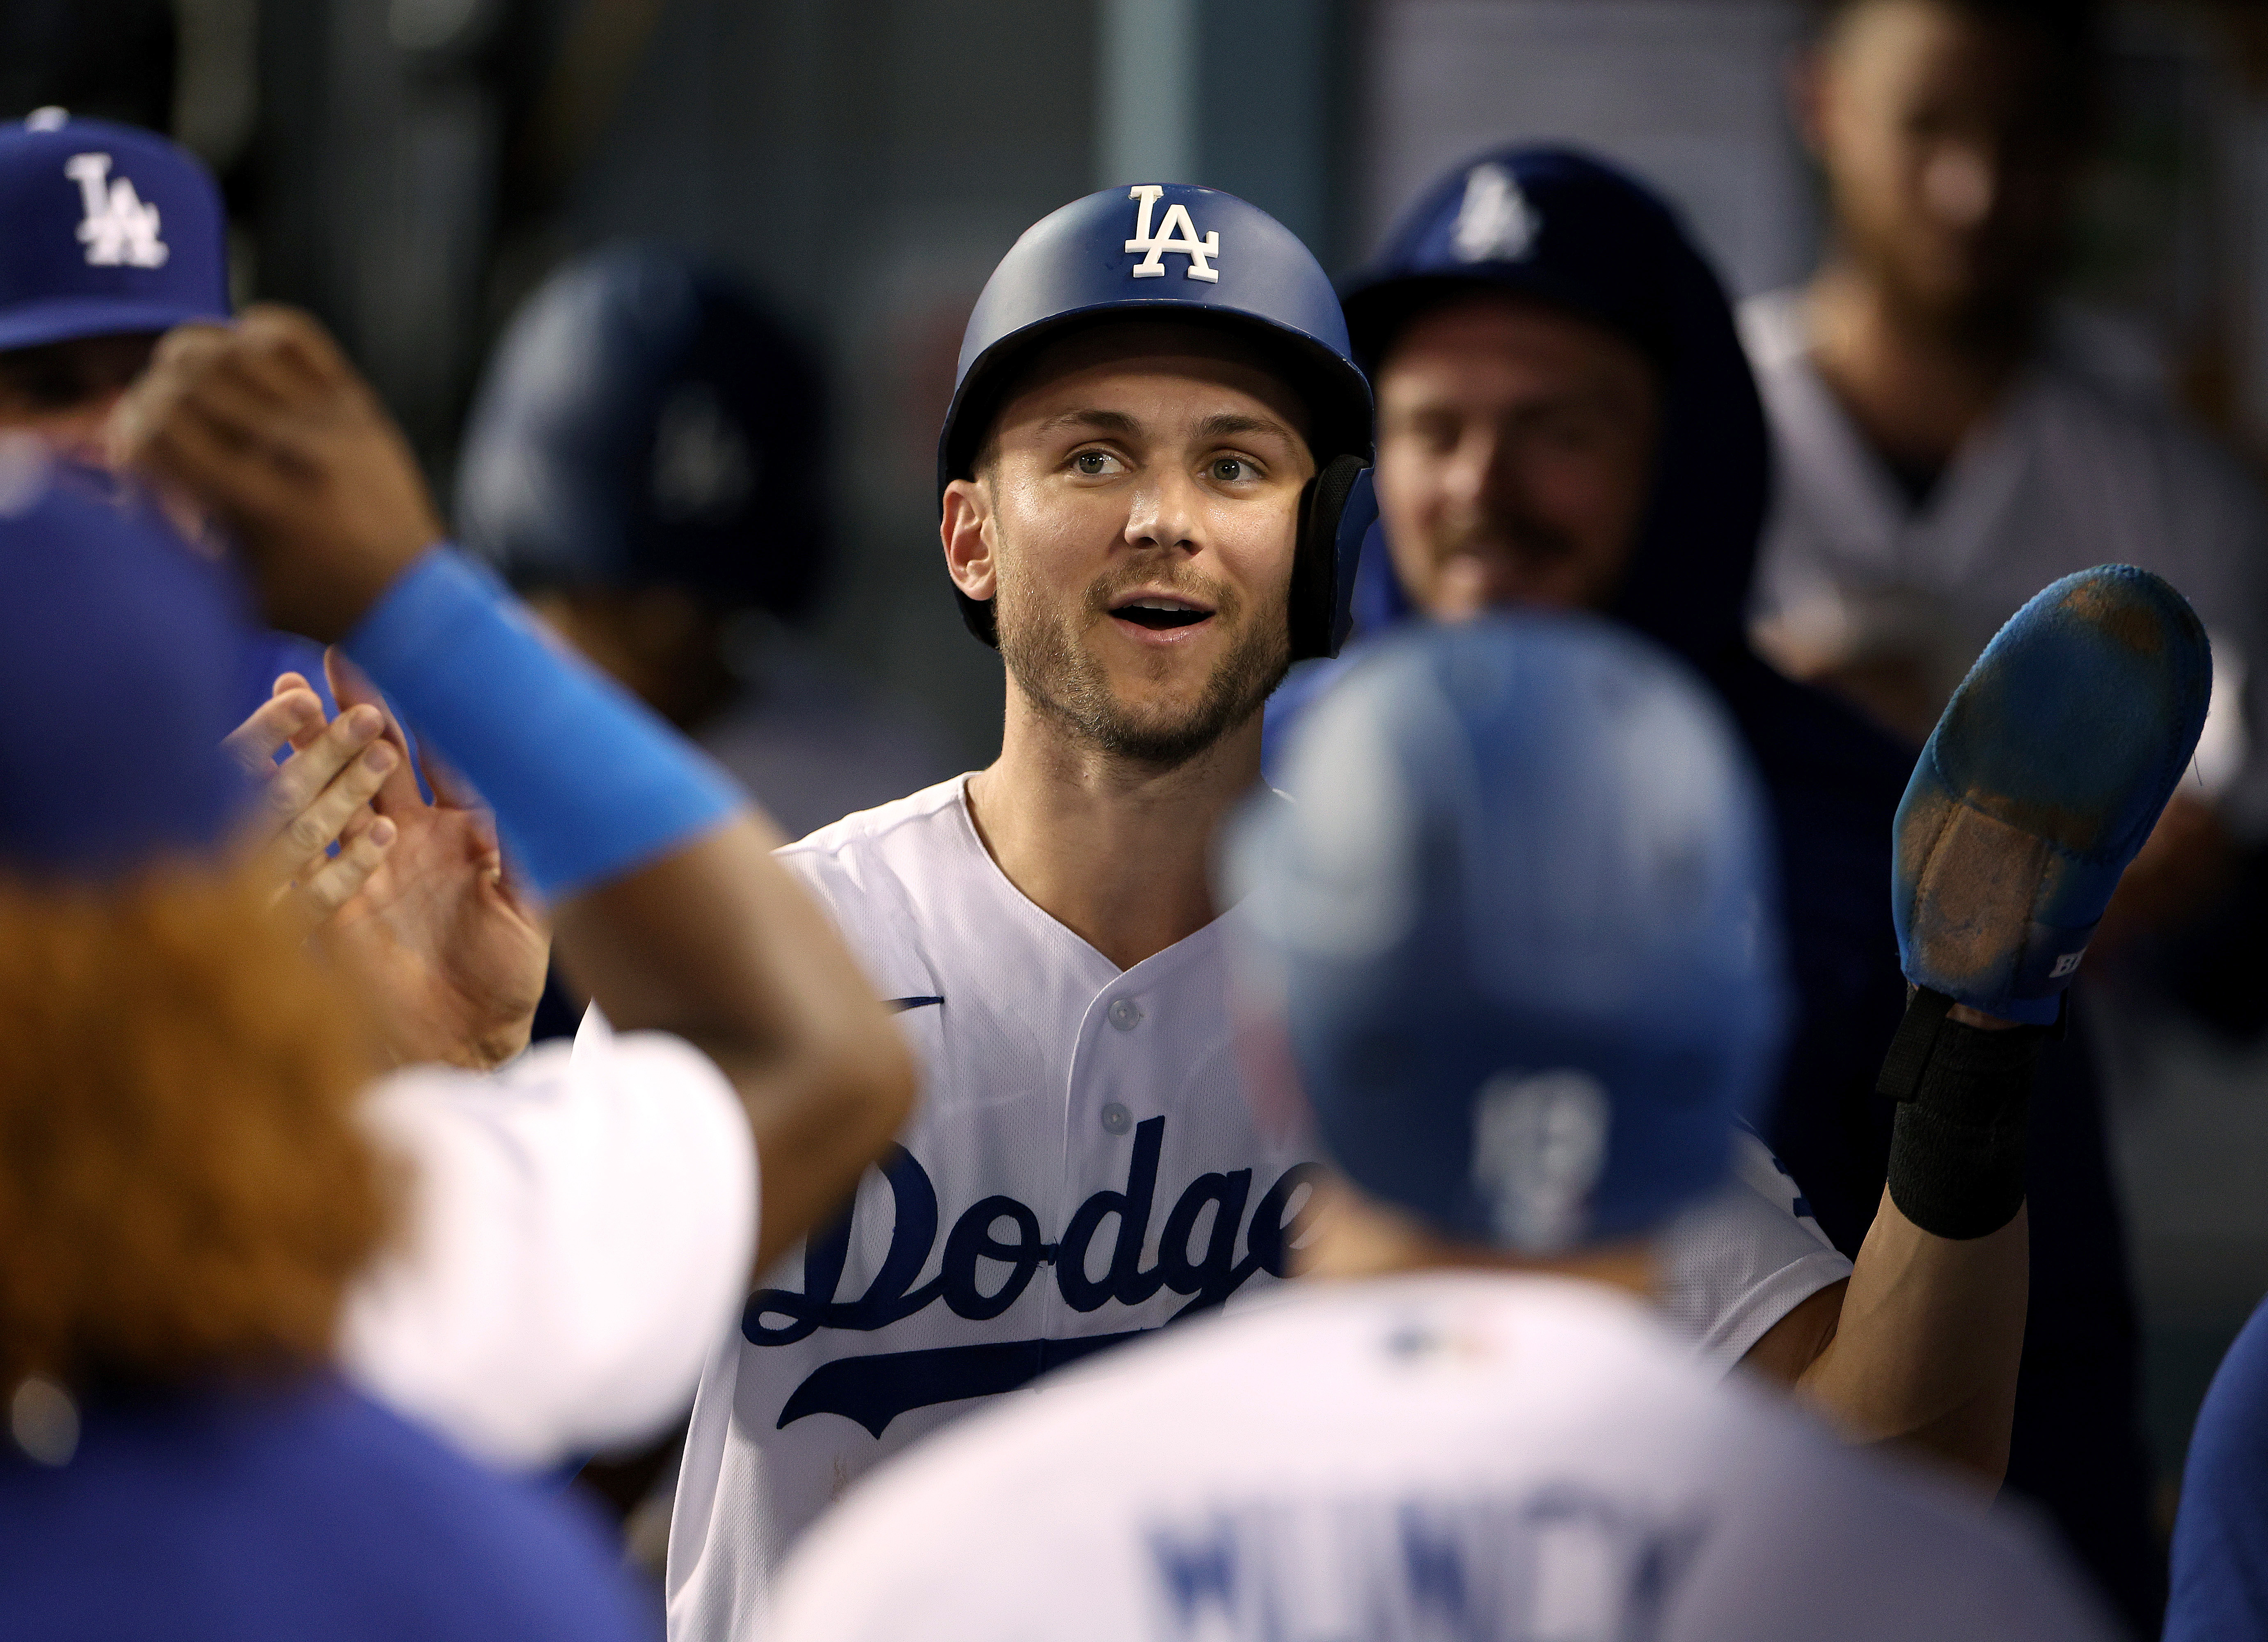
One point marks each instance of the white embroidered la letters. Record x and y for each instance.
(1178, 232)
(1495, 223)
(119, 230)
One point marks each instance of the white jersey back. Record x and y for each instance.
(1083, 1166)
(1475, 1456)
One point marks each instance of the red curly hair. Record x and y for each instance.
(184, 1187)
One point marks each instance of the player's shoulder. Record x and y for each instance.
(912, 835)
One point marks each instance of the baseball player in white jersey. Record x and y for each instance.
(1154, 492)
(1514, 939)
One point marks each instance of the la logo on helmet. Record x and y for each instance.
(1178, 232)
(119, 230)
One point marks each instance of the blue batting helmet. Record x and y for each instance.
(1520, 920)
(1187, 253)
(104, 229)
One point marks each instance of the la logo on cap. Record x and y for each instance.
(119, 229)
(1178, 232)
(1495, 223)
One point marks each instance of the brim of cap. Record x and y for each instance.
(1378, 308)
(36, 324)
(1337, 391)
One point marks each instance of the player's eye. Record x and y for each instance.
(1231, 469)
(1094, 464)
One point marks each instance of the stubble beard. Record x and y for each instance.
(1059, 676)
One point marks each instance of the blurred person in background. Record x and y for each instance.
(1567, 419)
(109, 236)
(1949, 437)
(646, 463)
(1511, 944)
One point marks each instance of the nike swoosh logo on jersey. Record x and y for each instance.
(899, 1006)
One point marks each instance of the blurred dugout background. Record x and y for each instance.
(410, 169)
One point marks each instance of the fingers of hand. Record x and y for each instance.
(349, 685)
(294, 716)
(340, 879)
(315, 794)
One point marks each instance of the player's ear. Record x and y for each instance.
(965, 529)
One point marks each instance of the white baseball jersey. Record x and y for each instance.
(578, 1231)
(1483, 1456)
(1083, 1166)
(2071, 471)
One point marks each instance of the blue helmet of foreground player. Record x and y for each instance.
(1519, 924)
(112, 636)
(1194, 255)
(108, 231)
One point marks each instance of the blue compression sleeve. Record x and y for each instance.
(587, 782)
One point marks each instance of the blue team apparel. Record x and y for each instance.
(1196, 256)
(2052, 762)
(2221, 1535)
(113, 638)
(278, 1513)
(110, 230)
(1521, 918)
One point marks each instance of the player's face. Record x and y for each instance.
(1135, 526)
(1951, 145)
(1515, 456)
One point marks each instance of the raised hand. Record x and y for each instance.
(452, 952)
(265, 425)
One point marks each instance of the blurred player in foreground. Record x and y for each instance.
(213, 1222)
(645, 462)
(1513, 940)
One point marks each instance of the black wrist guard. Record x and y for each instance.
(1963, 1095)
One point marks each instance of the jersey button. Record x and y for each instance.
(1116, 1120)
(1124, 1013)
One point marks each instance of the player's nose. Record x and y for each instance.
(1164, 512)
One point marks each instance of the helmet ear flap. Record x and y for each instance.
(1336, 509)
(976, 616)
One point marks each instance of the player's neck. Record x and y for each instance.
(1914, 382)
(1353, 1237)
(1116, 851)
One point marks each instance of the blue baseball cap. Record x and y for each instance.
(1519, 924)
(122, 662)
(104, 229)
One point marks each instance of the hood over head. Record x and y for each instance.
(1563, 228)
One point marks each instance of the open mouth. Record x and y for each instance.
(1159, 611)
